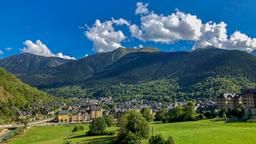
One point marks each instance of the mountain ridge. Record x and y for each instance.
(134, 66)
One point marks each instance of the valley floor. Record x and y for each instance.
(198, 132)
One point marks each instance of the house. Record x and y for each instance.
(64, 116)
(95, 112)
(228, 101)
(85, 113)
(247, 98)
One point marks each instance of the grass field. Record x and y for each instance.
(198, 132)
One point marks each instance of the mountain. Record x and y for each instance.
(200, 72)
(27, 63)
(186, 67)
(14, 94)
(68, 72)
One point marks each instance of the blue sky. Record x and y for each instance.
(56, 22)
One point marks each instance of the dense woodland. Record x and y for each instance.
(15, 95)
(139, 73)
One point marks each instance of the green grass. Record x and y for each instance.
(208, 132)
(58, 134)
(198, 132)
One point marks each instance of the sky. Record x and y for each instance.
(73, 29)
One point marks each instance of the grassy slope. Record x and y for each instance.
(57, 135)
(199, 132)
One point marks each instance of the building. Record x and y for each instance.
(247, 98)
(95, 112)
(228, 101)
(64, 116)
(84, 114)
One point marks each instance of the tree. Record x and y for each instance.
(176, 114)
(147, 114)
(97, 127)
(157, 139)
(133, 126)
(162, 115)
(110, 120)
(189, 111)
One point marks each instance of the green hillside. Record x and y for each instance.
(14, 95)
(203, 72)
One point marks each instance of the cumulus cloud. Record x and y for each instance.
(215, 35)
(39, 48)
(141, 8)
(104, 36)
(1, 52)
(167, 29)
(181, 26)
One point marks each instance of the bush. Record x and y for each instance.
(110, 120)
(132, 138)
(147, 114)
(133, 128)
(97, 127)
(157, 139)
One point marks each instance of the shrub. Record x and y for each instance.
(133, 127)
(157, 139)
(97, 127)
(110, 120)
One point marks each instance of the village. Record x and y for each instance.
(79, 110)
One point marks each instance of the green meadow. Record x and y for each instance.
(197, 132)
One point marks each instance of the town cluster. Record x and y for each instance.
(230, 101)
(83, 110)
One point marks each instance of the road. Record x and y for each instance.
(30, 124)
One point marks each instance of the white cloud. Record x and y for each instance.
(1, 52)
(39, 48)
(180, 26)
(141, 8)
(167, 29)
(215, 35)
(8, 49)
(104, 36)
(159, 28)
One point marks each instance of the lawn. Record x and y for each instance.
(198, 132)
(59, 134)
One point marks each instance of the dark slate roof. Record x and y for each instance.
(63, 112)
(95, 108)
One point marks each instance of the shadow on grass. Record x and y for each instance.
(101, 139)
(77, 136)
